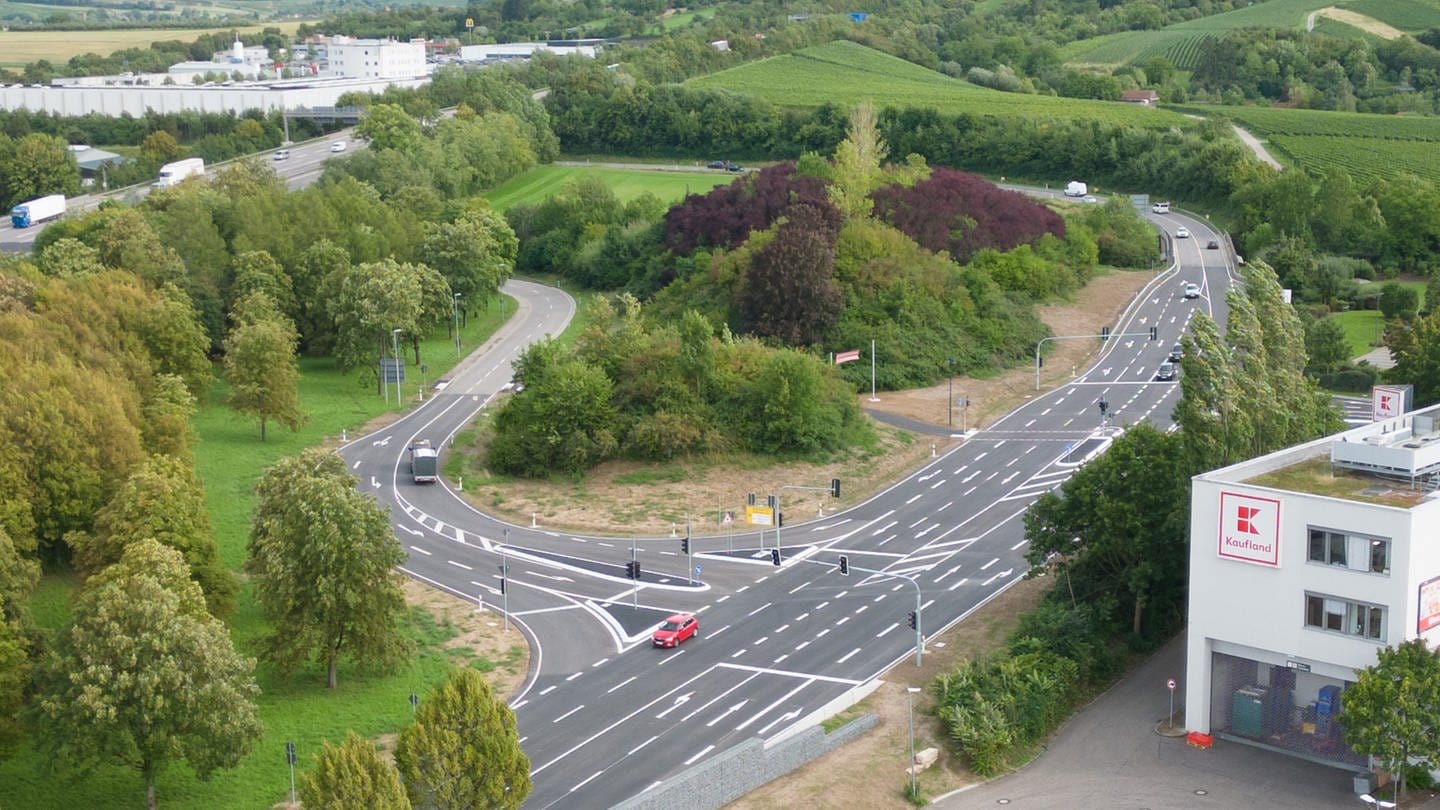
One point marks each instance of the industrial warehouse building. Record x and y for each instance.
(1303, 564)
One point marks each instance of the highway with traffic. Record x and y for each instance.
(603, 715)
(302, 166)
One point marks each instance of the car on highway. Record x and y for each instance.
(715, 164)
(1166, 372)
(675, 630)
(1182, 233)
(732, 166)
(1161, 208)
(1176, 353)
(1192, 290)
(1212, 245)
(282, 154)
(338, 146)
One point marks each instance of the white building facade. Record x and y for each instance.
(376, 58)
(1303, 565)
(116, 100)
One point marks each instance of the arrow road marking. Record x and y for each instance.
(680, 700)
(737, 707)
(781, 719)
(1007, 572)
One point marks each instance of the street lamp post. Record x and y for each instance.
(911, 690)
(455, 311)
(950, 397)
(395, 341)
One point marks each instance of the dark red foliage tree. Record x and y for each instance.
(727, 215)
(790, 291)
(963, 213)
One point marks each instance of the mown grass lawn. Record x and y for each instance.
(1362, 329)
(627, 184)
(298, 708)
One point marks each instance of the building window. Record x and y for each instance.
(1342, 616)
(1353, 551)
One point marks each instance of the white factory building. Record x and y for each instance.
(1303, 565)
(524, 50)
(116, 100)
(376, 58)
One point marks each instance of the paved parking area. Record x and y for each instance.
(1110, 756)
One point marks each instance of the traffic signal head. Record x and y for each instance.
(685, 545)
(1154, 333)
(780, 519)
(834, 487)
(774, 556)
(844, 565)
(502, 585)
(911, 620)
(1104, 405)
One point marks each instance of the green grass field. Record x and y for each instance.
(229, 458)
(1369, 147)
(545, 181)
(847, 73)
(1411, 16)
(1362, 329)
(1180, 43)
(19, 48)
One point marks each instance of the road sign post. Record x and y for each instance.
(1170, 684)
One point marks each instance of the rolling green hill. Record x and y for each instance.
(1367, 146)
(847, 73)
(1180, 43)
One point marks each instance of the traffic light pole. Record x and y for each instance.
(833, 489)
(635, 591)
(847, 567)
(1153, 334)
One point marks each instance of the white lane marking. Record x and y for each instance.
(567, 714)
(642, 745)
(460, 565)
(622, 683)
(421, 550)
(703, 752)
(848, 656)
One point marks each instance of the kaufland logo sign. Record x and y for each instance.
(1250, 528)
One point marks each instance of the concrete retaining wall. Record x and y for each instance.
(736, 771)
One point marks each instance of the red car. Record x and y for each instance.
(676, 629)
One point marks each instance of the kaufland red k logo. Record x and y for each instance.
(1385, 403)
(1249, 528)
(1245, 519)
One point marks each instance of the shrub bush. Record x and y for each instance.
(1358, 378)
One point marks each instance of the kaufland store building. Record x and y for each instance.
(1303, 564)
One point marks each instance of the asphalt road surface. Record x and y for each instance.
(302, 168)
(604, 716)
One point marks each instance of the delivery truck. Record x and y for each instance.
(424, 461)
(1075, 188)
(175, 173)
(37, 211)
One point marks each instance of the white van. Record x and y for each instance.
(1161, 208)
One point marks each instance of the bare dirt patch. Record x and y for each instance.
(1369, 25)
(480, 639)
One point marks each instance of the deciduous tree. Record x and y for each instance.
(323, 557)
(161, 500)
(262, 371)
(463, 750)
(352, 775)
(790, 292)
(1120, 525)
(1392, 711)
(144, 677)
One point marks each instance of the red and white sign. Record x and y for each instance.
(846, 357)
(1249, 528)
(1170, 683)
(1429, 605)
(1386, 402)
